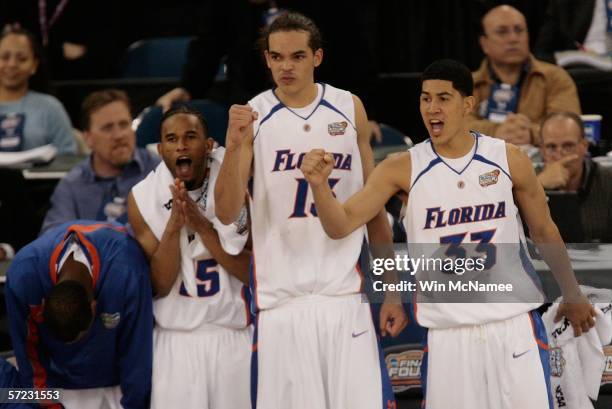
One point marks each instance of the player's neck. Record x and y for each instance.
(299, 98)
(199, 182)
(457, 146)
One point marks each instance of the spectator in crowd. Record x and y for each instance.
(513, 89)
(239, 21)
(28, 118)
(80, 39)
(97, 188)
(575, 25)
(567, 167)
(80, 316)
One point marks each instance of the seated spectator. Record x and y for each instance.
(513, 90)
(575, 25)
(79, 308)
(80, 39)
(28, 119)
(97, 188)
(567, 167)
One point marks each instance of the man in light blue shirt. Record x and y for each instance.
(97, 188)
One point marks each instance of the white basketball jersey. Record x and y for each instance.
(470, 206)
(292, 254)
(204, 293)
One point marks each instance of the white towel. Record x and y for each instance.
(577, 364)
(154, 200)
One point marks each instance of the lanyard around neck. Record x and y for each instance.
(45, 25)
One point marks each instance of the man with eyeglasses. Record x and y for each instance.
(513, 90)
(567, 167)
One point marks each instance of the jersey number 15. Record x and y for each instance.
(207, 279)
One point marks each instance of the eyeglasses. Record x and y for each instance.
(504, 32)
(565, 148)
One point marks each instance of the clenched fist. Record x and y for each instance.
(240, 125)
(317, 166)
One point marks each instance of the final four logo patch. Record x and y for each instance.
(489, 178)
(110, 321)
(337, 128)
(557, 362)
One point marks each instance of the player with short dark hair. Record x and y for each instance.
(79, 309)
(198, 270)
(68, 310)
(462, 188)
(315, 342)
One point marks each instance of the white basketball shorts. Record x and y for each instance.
(318, 352)
(204, 369)
(499, 365)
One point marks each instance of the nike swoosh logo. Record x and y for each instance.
(515, 355)
(356, 334)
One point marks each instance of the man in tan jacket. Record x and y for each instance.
(513, 90)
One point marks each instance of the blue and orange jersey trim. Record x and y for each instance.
(80, 231)
(253, 281)
(541, 343)
(245, 295)
(39, 380)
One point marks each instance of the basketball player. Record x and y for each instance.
(79, 309)
(202, 340)
(315, 343)
(479, 356)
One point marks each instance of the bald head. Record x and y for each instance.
(503, 12)
(505, 40)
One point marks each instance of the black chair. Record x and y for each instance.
(149, 120)
(155, 57)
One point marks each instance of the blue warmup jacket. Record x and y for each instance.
(118, 348)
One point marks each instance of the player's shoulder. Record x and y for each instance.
(338, 96)
(519, 164)
(147, 181)
(263, 101)
(487, 140)
(397, 162)
(31, 263)
(514, 153)
(126, 262)
(422, 149)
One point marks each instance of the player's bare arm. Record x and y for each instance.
(237, 265)
(236, 167)
(530, 197)
(393, 318)
(338, 220)
(378, 228)
(164, 256)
